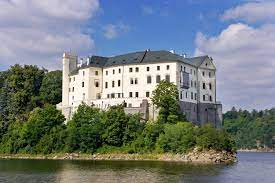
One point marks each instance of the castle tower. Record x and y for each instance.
(69, 62)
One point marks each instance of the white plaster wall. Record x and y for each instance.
(192, 77)
(207, 67)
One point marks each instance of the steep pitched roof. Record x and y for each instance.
(140, 57)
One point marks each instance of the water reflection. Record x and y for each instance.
(250, 168)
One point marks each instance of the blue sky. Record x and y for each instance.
(238, 34)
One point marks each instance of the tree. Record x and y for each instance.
(166, 98)
(177, 138)
(40, 123)
(115, 122)
(51, 88)
(22, 86)
(84, 130)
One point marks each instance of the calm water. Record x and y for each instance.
(252, 167)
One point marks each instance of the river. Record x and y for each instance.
(251, 167)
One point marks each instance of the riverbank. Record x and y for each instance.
(256, 150)
(197, 157)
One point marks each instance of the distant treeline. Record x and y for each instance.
(255, 129)
(30, 122)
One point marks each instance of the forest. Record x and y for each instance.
(30, 122)
(251, 130)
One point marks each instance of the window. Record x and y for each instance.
(195, 84)
(113, 83)
(181, 95)
(106, 84)
(158, 79)
(73, 97)
(167, 67)
(96, 73)
(69, 89)
(149, 79)
(106, 73)
(136, 94)
(147, 94)
(203, 73)
(118, 83)
(131, 81)
(108, 95)
(210, 98)
(118, 95)
(148, 68)
(136, 81)
(119, 70)
(210, 74)
(129, 105)
(98, 96)
(186, 94)
(130, 69)
(96, 84)
(112, 95)
(192, 96)
(137, 69)
(82, 84)
(73, 89)
(181, 68)
(194, 72)
(158, 67)
(70, 79)
(191, 83)
(203, 97)
(113, 71)
(130, 94)
(203, 85)
(191, 71)
(83, 96)
(195, 96)
(83, 73)
(74, 78)
(167, 77)
(210, 86)
(184, 69)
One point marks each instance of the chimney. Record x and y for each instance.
(81, 61)
(172, 51)
(88, 60)
(184, 55)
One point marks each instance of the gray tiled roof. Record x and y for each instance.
(140, 57)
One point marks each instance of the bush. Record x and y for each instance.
(177, 138)
(211, 138)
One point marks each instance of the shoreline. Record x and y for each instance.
(256, 150)
(193, 157)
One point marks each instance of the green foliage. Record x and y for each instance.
(84, 130)
(166, 98)
(51, 88)
(209, 137)
(253, 129)
(177, 138)
(114, 122)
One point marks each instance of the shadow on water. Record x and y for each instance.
(251, 167)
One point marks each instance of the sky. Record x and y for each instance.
(238, 34)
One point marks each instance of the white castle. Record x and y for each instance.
(129, 79)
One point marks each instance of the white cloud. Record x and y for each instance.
(252, 12)
(245, 60)
(112, 31)
(37, 32)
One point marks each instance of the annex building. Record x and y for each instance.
(130, 78)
